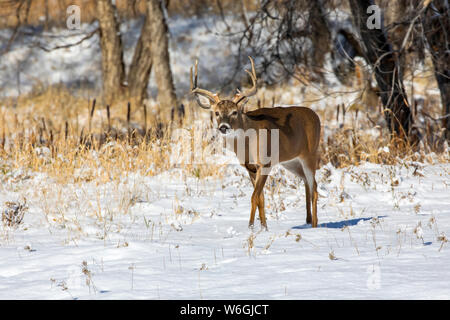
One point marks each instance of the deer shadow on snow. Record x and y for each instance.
(338, 224)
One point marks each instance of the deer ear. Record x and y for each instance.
(204, 101)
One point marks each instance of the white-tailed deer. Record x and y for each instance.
(298, 131)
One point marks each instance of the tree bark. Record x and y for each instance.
(436, 26)
(141, 65)
(47, 16)
(113, 68)
(160, 55)
(320, 36)
(378, 52)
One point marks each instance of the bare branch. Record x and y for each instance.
(65, 46)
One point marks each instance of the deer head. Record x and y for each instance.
(228, 113)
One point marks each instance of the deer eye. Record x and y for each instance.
(234, 113)
(217, 113)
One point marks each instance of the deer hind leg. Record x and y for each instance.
(308, 202)
(309, 169)
(314, 205)
(301, 174)
(295, 166)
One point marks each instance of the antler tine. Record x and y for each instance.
(252, 91)
(253, 73)
(197, 91)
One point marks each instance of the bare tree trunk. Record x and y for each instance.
(321, 36)
(113, 69)
(436, 25)
(160, 55)
(141, 65)
(395, 11)
(131, 8)
(47, 17)
(378, 52)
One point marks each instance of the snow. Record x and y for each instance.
(173, 236)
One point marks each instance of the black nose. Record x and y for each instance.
(223, 129)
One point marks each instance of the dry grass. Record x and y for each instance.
(71, 138)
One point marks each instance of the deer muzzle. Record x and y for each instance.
(224, 127)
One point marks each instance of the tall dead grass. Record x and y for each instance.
(75, 139)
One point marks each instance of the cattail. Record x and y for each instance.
(128, 113)
(108, 115)
(82, 136)
(3, 139)
(145, 118)
(66, 130)
(93, 108)
(337, 113)
(44, 127)
(181, 113)
(91, 113)
(128, 121)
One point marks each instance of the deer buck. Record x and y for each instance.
(298, 131)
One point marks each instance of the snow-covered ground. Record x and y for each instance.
(382, 234)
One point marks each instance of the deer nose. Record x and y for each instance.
(223, 128)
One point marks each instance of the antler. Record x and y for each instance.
(197, 91)
(252, 91)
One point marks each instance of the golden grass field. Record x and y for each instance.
(52, 130)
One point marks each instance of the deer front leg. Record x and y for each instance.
(262, 214)
(252, 173)
(258, 200)
(252, 211)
